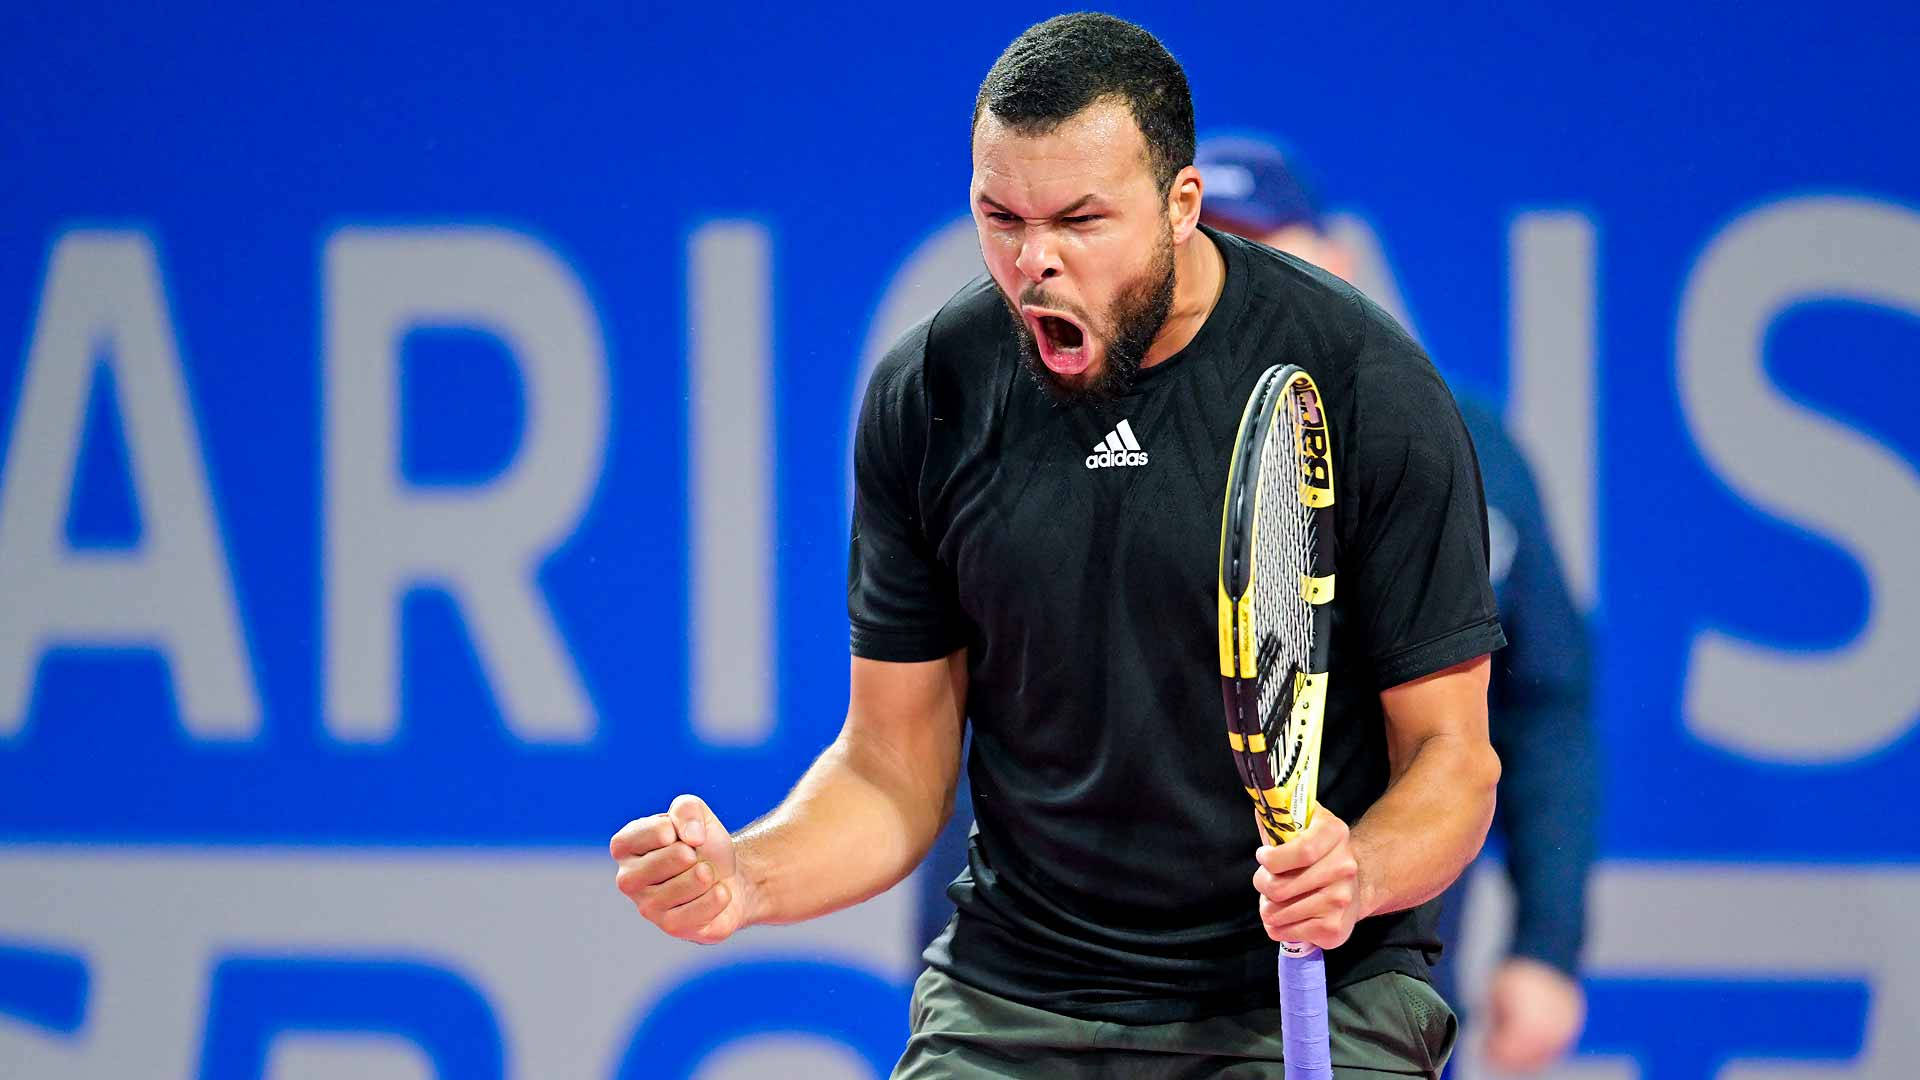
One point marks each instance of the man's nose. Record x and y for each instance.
(1039, 257)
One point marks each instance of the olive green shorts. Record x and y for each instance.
(1386, 1025)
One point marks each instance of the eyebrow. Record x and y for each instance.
(1065, 211)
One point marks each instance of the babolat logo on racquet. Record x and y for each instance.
(1316, 473)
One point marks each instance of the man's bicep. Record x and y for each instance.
(909, 716)
(1449, 703)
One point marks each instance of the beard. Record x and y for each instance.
(1127, 330)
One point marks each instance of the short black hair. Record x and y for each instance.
(1059, 67)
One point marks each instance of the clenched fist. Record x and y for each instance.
(678, 870)
(1309, 886)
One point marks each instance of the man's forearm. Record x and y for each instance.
(855, 824)
(1419, 836)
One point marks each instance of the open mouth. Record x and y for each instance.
(1063, 342)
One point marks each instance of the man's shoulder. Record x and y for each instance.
(1277, 272)
(1483, 423)
(1319, 310)
(956, 341)
(975, 312)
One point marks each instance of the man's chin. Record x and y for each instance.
(1076, 389)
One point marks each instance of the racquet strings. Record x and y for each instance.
(1282, 558)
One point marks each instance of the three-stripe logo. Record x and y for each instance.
(1118, 449)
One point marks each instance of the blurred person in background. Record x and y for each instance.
(1539, 695)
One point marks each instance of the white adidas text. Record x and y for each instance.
(1119, 448)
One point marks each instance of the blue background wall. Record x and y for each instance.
(239, 143)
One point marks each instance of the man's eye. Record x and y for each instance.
(1081, 219)
(1001, 218)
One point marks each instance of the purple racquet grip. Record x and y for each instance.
(1303, 1013)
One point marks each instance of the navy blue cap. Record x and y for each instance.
(1248, 181)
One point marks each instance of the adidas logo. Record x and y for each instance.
(1117, 449)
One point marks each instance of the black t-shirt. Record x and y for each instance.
(1073, 551)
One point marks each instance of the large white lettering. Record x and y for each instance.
(1793, 704)
(482, 544)
(1550, 400)
(102, 304)
(562, 966)
(731, 482)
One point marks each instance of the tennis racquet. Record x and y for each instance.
(1276, 582)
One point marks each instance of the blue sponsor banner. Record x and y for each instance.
(386, 392)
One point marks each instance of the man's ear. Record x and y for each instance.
(1183, 203)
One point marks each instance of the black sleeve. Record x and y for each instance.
(900, 600)
(1542, 727)
(1413, 563)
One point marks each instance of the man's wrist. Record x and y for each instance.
(1368, 898)
(748, 878)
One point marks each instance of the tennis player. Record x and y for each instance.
(1539, 700)
(1039, 474)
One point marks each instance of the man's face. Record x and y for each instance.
(1077, 235)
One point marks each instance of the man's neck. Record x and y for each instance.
(1199, 275)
